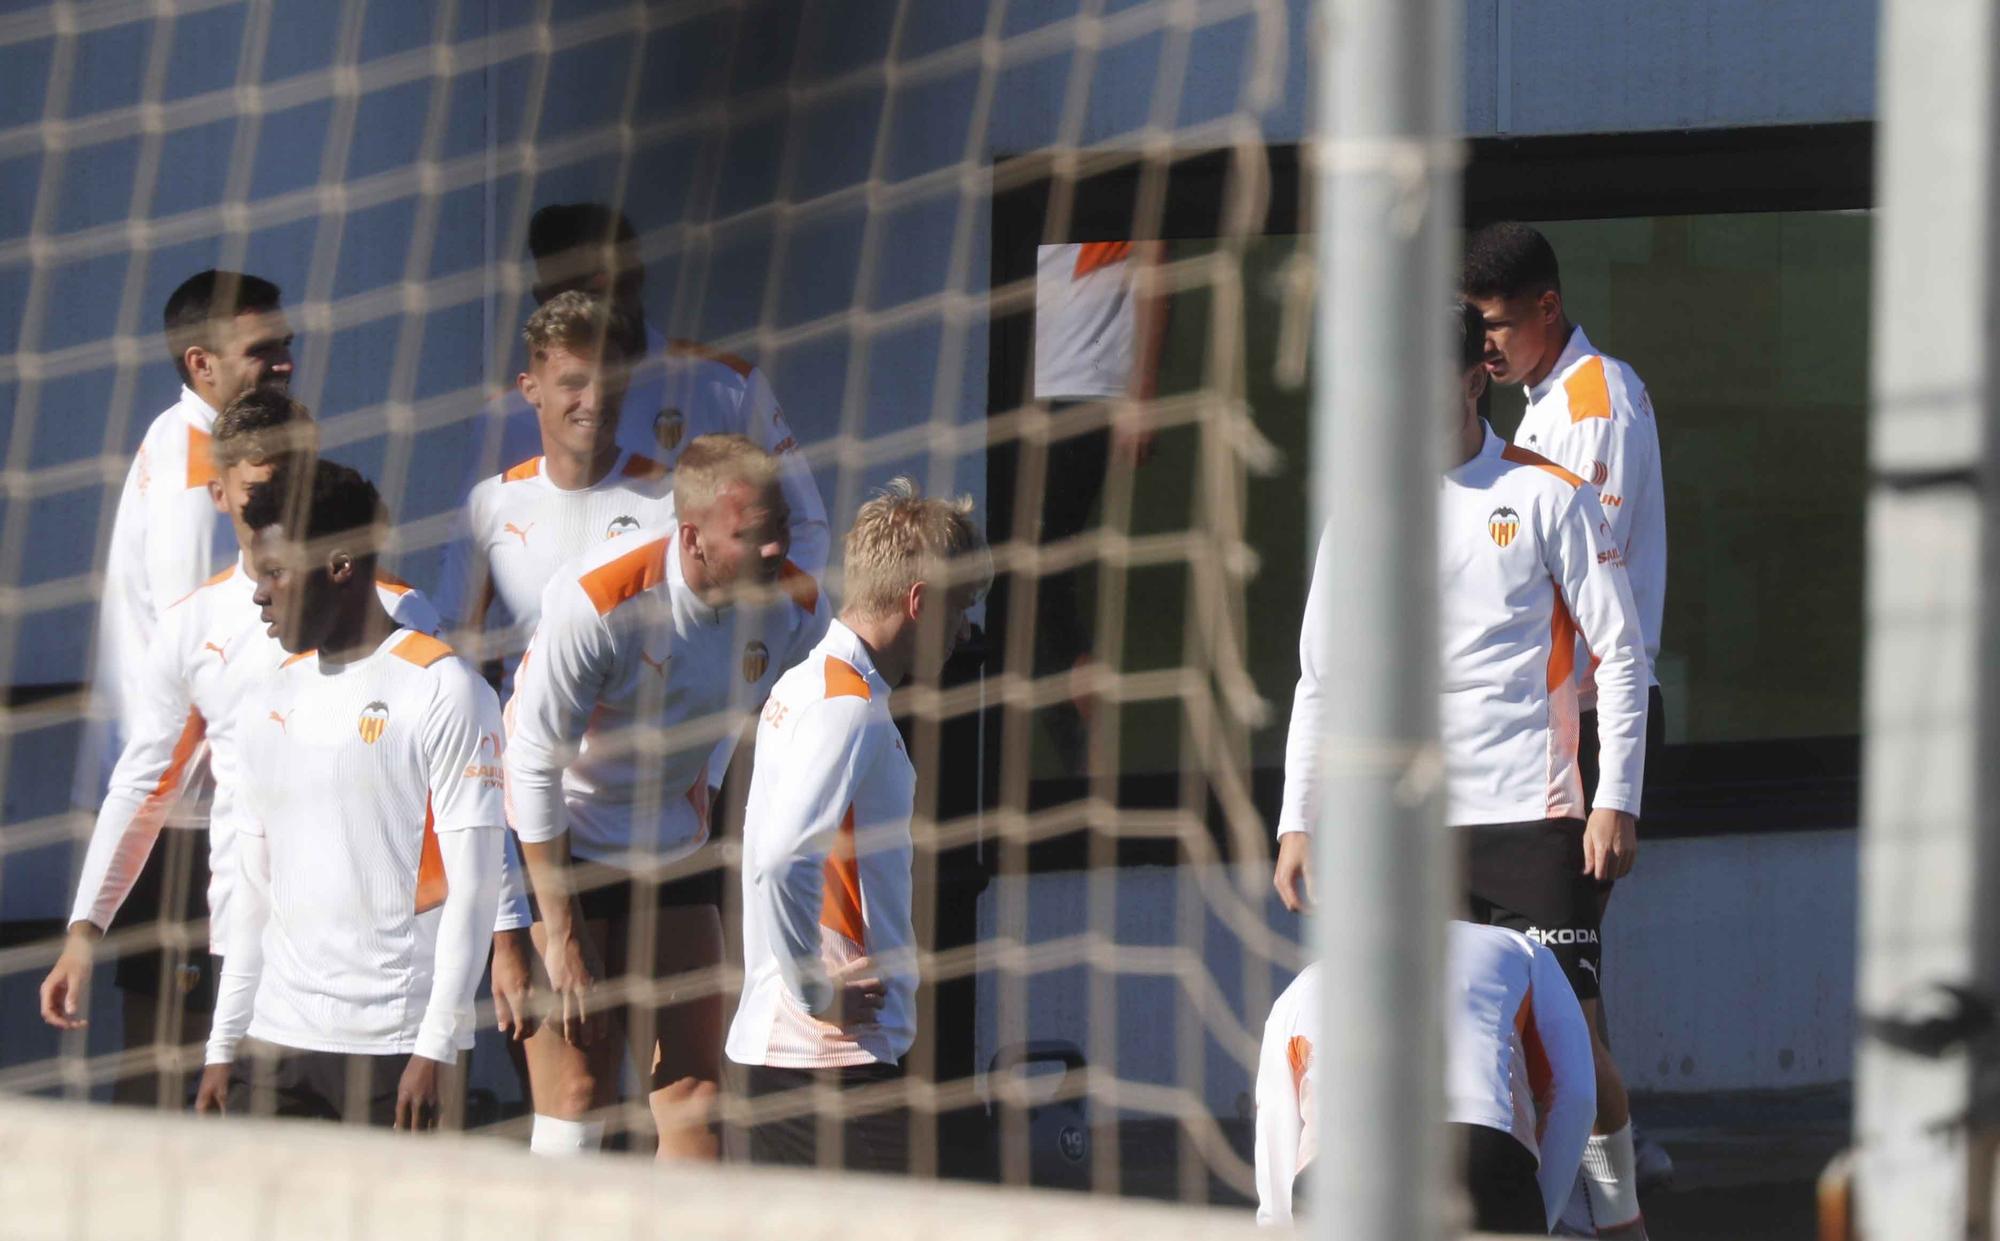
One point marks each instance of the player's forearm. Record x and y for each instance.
(243, 954)
(547, 864)
(472, 877)
(120, 842)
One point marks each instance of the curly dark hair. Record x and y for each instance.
(333, 499)
(1509, 260)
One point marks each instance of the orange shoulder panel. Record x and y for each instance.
(1092, 255)
(524, 471)
(393, 584)
(643, 467)
(214, 580)
(639, 570)
(301, 655)
(799, 584)
(1523, 456)
(1299, 1051)
(695, 349)
(843, 680)
(201, 464)
(421, 649)
(1588, 391)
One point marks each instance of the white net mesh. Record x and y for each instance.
(856, 198)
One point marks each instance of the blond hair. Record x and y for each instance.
(580, 322)
(712, 462)
(902, 537)
(262, 425)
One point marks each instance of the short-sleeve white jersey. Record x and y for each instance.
(210, 649)
(627, 661)
(681, 390)
(167, 538)
(826, 865)
(1592, 416)
(351, 774)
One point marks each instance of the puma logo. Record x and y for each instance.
(282, 721)
(657, 665)
(219, 652)
(520, 531)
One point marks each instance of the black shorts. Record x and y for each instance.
(877, 1140)
(1500, 1180)
(611, 897)
(172, 888)
(1528, 877)
(268, 1080)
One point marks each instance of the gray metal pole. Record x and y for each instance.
(1387, 177)
(1930, 877)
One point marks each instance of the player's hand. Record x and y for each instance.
(1294, 876)
(1610, 845)
(573, 972)
(514, 985)
(1132, 440)
(857, 995)
(66, 991)
(417, 1095)
(212, 1095)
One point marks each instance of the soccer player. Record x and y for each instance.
(524, 524)
(1526, 564)
(1520, 1087)
(209, 647)
(227, 334)
(659, 641)
(1589, 413)
(681, 391)
(368, 852)
(829, 953)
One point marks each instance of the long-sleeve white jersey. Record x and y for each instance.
(1591, 415)
(680, 391)
(166, 539)
(1517, 1051)
(627, 656)
(1526, 566)
(1517, 1059)
(210, 650)
(826, 866)
(520, 527)
(370, 854)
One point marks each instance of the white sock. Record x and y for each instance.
(1608, 1175)
(557, 1137)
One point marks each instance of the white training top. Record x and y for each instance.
(1287, 1077)
(1526, 566)
(826, 865)
(1591, 415)
(628, 657)
(520, 527)
(370, 855)
(680, 391)
(1517, 1059)
(1085, 320)
(1517, 1051)
(166, 539)
(210, 649)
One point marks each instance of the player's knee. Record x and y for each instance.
(574, 1095)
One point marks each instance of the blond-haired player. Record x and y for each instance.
(829, 952)
(180, 724)
(650, 649)
(368, 852)
(522, 525)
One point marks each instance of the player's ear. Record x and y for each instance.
(1475, 383)
(216, 496)
(195, 360)
(339, 566)
(530, 390)
(913, 603)
(1550, 303)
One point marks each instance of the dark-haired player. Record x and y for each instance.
(369, 850)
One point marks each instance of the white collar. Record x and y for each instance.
(199, 413)
(1578, 346)
(847, 645)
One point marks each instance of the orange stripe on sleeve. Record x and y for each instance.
(1523, 456)
(393, 584)
(1562, 642)
(431, 885)
(844, 681)
(1300, 1052)
(1588, 391)
(635, 572)
(192, 731)
(840, 906)
(1092, 255)
(421, 649)
(1540, 1072)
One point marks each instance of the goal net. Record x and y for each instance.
(1043, 254)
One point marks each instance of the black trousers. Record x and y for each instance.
(1073, 472)
(874, 1141)
(268, 1080)
(1500, 1180)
